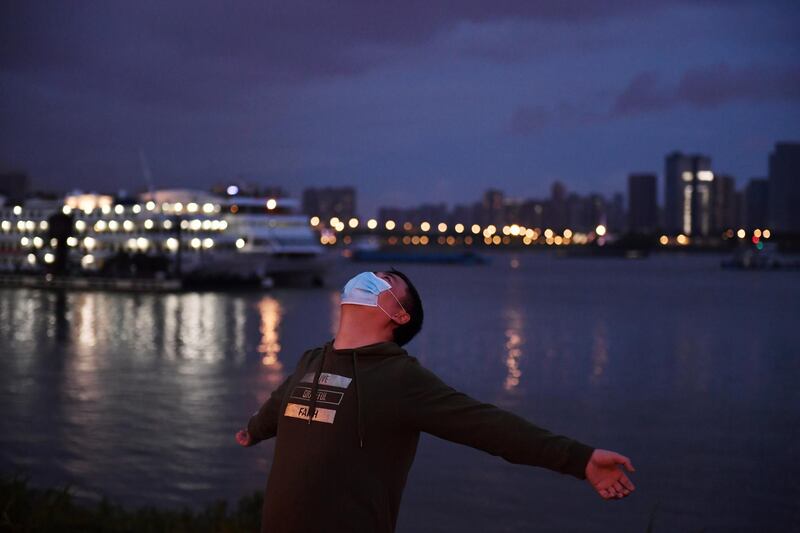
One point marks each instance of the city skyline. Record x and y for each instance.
(410, 101)
(732, 198)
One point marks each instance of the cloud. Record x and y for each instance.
(699, 87)
(249, 85)
(707, 87)
(281, 42)
(201, 54)
(642, 94)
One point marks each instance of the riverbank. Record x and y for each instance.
(27, 509)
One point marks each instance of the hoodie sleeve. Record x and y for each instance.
(430, 405)
(264, 422)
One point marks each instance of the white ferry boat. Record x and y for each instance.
(178, 233)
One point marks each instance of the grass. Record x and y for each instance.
(27, 509)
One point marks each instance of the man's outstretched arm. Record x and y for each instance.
(436, 408)
(263, 424)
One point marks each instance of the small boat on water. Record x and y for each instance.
(764, 257)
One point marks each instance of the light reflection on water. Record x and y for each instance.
(270, 311)
(137, 396)
(599, 351)
(514, 341)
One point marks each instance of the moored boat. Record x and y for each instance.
(181, 234)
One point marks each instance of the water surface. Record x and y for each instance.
(690, 370)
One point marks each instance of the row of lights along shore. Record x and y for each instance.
(142, 244)
(165, 207)
(207, 208)
(490, 233)
(335, 225)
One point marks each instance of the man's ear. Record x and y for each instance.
(401, 318)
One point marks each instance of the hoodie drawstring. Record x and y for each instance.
(358, 402)
(315, 391)
(315, 386)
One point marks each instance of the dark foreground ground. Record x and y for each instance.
(27, 509)
(24, 509)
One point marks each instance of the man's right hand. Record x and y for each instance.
(243, 437)
(603, 472)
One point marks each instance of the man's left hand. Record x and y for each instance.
(603, 472)
(243, 438)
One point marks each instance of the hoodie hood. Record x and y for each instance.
(381, 349)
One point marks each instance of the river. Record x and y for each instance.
(690, 370)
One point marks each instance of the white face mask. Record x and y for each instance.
(364, 289)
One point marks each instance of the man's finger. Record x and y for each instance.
(621, 459)
(627, 482)
(604, 493)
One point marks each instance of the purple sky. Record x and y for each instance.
(408, 102)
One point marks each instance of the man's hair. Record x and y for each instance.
(413, 306)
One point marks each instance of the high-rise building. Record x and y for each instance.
(784, 188)
(492, 207)
(642, 204)
(575, 213)
(688, 185)
(512, 211)
(726, 213)
(431, 213)
(556, 216)
(615, 214)
(464, 214)
(328, 202)
(397, 215)
(532, 213)
(756, 204)
(596, 212)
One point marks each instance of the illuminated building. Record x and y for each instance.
(688, 190)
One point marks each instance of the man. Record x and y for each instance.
(348, 421)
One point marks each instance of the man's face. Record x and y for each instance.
(387, 301)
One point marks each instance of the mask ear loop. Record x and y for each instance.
(398, 303)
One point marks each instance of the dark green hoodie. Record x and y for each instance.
(346, 469)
